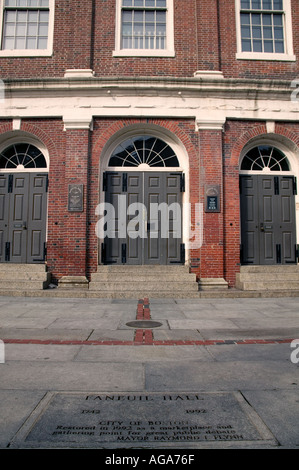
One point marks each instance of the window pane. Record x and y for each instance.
(278, 33)
(257, 46)
(245, 4)
(32, 29)
(256, 4)
(20, 43)
(8, 43)
(20, 29)
(245, 18)
(10, 16)
(256, 19)
(42, 43)
(256, 32)
(267, 4)
(279, 47)
(33, 16)
(31, 43)
(267, 33)
(246, 45)
(267, 20)
(277, 20)
(278, 4)
(268, 46)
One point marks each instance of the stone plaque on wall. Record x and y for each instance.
(75, 197)
(212, 198)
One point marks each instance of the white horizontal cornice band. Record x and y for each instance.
(205, 98)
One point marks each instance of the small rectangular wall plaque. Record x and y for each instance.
(212, 198)
(75, 197)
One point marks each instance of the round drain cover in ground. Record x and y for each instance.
(144, 324)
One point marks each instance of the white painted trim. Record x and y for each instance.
(211, 124)
(167, 52)
(78, 124)
(289, 149)
(209, 74)
(170, 139)
(20, 137)
(209, 102)
(288, 40)
(30, 52)
(79, 73)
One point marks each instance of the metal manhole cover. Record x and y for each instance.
(144, 324)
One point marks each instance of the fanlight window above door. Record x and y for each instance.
(144, 150)
(265, 158)
(21, 157)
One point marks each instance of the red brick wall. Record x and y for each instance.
(232, 67)
(75, 157)
(105, 129)
(72, 39)
(84, 37)
(50, 133)
(211, 255)
(237, 134)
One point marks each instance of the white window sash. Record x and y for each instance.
(167, 52)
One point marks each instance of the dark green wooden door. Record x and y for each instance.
(23, 216)
(268, 224)
(149, 228)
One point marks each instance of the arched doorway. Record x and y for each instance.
(23, 202)
(144, 183)
(268, 209)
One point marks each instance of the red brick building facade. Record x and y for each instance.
(214, 80)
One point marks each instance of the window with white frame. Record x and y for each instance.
(27, 27)
(264, 29)
(144, 27)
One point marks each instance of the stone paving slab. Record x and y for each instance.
(45, 334)
(250, 352)
(224, 375)
(43, 375)
(41, 352)
(146, 354)
(194, 351)
(16, 406)
(127, 420)
(280, 410)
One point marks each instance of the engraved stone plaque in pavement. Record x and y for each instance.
(115, 420)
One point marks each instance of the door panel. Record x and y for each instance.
(37, 218)
(4, 206)
(268, 226)
(287, 222)
(249, 220)
(18, 209)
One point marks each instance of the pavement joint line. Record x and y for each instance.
(144, 339)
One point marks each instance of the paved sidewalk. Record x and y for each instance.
(239, 346)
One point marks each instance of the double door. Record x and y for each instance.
(268, 224)
(23, 216)
(148, 218)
